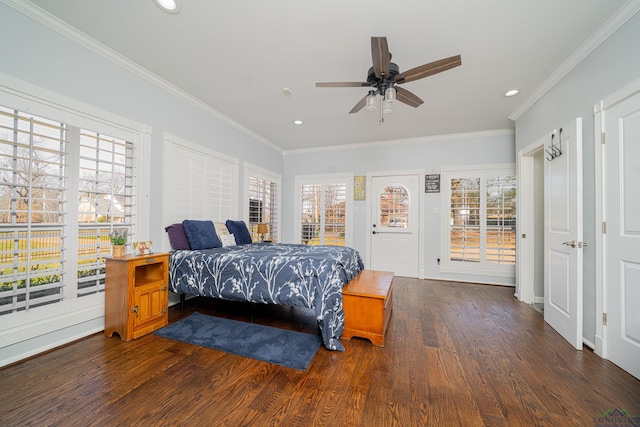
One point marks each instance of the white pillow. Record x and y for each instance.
(227, 240)
(221, 228)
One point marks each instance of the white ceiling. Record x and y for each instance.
(237, 56)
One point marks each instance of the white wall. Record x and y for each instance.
(426, 154)
(611, 66)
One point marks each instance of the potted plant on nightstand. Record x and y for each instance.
(118, 240)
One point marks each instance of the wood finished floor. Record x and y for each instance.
(455, 355)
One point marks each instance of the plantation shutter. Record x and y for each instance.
(263, 207)
(323, 213)
(479, 234)
(32, 210)
(202, 184)
(105, 203)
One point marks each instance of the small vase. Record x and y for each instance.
(118, 251)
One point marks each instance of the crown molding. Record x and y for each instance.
(416, 140)
(622, 15)
(45, 18)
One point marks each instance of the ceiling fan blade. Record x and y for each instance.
(407, 97)
(359, 105)
(380, 55)
(429, 69)
(342, 84)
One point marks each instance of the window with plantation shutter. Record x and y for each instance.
(200, 184)
(479, 234)
(62, 190)
(32, 222)
(325, 211)
(105, 203)
(263, 190)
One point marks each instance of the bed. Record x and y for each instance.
(272, 273)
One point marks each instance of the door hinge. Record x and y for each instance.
(603, 139)
(604, 319)
(604, 227)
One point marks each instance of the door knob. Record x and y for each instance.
(571, 243)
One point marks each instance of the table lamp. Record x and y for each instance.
(262, 230)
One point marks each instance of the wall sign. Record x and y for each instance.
(432, 183)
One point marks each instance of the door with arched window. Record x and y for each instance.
(394, 240)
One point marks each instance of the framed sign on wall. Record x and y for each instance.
(432, 183)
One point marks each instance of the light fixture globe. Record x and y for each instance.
(371, 100)
(390, 94)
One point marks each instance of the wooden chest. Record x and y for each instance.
(367, 301)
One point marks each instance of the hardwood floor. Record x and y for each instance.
(455, 354)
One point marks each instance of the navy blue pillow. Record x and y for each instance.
(201, 234)
(240, 231)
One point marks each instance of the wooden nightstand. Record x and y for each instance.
(136, 295)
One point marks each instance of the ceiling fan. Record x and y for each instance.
(383, 77)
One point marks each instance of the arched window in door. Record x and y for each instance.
(394, 207)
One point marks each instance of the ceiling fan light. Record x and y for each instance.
(390, 95)
(371, 101)
(386, 107)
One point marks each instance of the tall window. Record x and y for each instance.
(33, 163)
(40, 186)
(479, 234)
(324, 211)
(263, 208)
(105, 203)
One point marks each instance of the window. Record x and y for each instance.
(52, 177)
(325, 211)
(263, 208)
(394, 207)
(199, 183)
(105, 203)
(479, 234)
(263, 193)
(32, 224)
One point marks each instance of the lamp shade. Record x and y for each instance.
(262, 229)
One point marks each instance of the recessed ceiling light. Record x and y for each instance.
(512, 92)
(170, 6)
(297, 122)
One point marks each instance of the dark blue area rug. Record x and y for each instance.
(280, 346)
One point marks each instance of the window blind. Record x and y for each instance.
(105, 202)
(263, 207)
(202, 184)
(323, 213)
(32, 210)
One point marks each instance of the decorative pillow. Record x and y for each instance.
(240, 231)
(201, 234)
(227, 240)
(221, 229)
(177, 237)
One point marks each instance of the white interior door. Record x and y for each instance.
(622, 239)
(394, 243)
(563, 233)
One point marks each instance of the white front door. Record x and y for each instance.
(395, 224)
(622, 239)
(563, 244)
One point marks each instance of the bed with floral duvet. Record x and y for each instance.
(272, 273)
